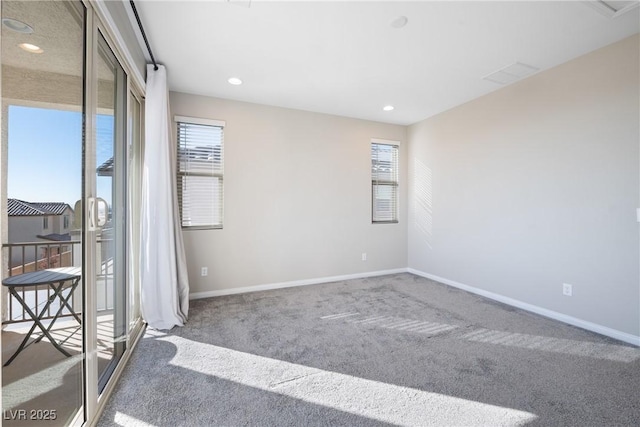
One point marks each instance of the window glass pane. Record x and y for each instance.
(200, 174)
(384, 162)
(384, 200)
(109, 157)
(42, 117)
(133, 192)
(201, 198)
(384, 182)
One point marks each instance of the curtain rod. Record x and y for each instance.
(144, 35)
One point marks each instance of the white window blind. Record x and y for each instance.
(200, 174)
(384, 182)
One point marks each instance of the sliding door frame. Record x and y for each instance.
(95, 27)
(97, 20)
(88, 235)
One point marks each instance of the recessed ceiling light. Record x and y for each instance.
(31, 48)
(235, 81)
(388, 108)
(399, 22)
(17, 26)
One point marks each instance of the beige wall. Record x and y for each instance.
(536, 185)
(297, 194)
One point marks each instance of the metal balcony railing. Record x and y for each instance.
(26, 257)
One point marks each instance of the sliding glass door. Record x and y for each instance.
(71, 137)
(43, 74)
(110, 211)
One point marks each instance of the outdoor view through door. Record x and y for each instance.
(42, 111)
(71, 138)
(110, 211)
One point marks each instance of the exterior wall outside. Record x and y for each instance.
(23, 229)
(26, 229)
(59, 222)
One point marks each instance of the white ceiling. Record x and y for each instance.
(344, 58)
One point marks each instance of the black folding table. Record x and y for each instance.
(57, 279)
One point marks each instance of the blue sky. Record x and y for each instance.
(45, 154)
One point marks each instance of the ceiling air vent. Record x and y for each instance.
(511, 73)
(612, 8)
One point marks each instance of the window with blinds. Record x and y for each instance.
(384, 183)
(200, 172)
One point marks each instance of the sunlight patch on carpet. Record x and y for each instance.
(129, 421)
(339, 316)
(613, 352)
(394, 322)
(616, 353)
(374, 400)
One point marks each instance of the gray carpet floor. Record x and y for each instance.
(391, 350)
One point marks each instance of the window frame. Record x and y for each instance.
(178, 120)
(393, 183)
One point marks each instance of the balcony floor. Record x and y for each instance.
(41, 378)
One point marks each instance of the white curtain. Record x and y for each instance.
(165, 284)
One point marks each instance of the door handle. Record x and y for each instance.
(91, 214)
(100, 201)
(93, 207)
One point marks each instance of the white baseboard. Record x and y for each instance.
(305, 282)
(590, 326)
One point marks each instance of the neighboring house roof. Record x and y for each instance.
(17, 207)
(106, 169)
(56, 237)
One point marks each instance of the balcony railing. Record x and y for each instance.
(26, 257)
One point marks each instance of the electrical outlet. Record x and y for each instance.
(204, 271)
(364, 256)
(567, 289)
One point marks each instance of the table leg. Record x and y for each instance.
(36, 322)
(64, 302)
(26, 338)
